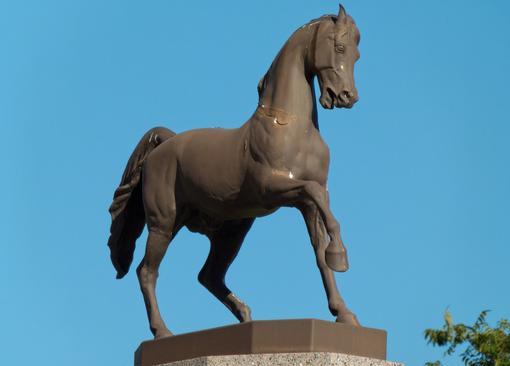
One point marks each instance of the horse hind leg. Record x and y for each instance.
(225, 244)
(147, 273)
(160, 209)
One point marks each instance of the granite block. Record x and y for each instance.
(284, 359)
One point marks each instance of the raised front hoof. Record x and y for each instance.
(348, 318)
(162, 334)
(337, 261)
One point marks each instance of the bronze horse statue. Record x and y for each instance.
(217, 181)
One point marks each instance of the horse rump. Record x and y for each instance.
(128, 216)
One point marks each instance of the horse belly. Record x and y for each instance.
(221, 198)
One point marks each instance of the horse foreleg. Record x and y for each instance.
(225, 244)
(294, 192)
(319, 240)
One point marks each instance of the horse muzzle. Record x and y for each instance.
(346, 99)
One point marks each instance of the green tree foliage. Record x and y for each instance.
(486, 346)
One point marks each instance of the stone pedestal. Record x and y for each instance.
(285, 359)
(274, 342)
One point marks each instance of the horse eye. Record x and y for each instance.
(340, 48)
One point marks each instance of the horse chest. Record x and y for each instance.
(293, 150)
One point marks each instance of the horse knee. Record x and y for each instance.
(207, 279)
(146, 275)
(334, 226)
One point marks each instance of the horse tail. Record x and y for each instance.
(128, 216)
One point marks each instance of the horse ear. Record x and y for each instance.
(260, 86)
(341, 14)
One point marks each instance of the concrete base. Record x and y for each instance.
(285, 359)
(306, 337)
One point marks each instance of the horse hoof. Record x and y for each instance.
(246, 315)
(348, 318)
(163, 334)
(337, 262)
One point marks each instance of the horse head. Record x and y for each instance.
(333, 59)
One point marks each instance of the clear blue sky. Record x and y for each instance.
(419, 179)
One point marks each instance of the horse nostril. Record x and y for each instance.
(346, 96)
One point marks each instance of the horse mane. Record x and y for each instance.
(262, 83)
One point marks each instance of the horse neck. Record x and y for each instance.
(288, 86)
